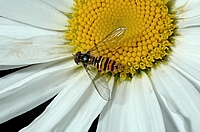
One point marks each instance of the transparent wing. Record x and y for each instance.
(100, 83)
(110, 43)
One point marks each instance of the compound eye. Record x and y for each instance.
(76, 60)
(78, 53)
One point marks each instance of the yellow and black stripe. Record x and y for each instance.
(104, 64)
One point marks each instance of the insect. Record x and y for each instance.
(101, 63)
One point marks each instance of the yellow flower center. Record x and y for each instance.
(146, 41)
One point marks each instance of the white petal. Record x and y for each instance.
(33, 12)
(188, 62)
(187, 8)
(18, 30)
(29, 87)
(74, 109)
(33, 50)
(187, 74)
(189, 42)
(169, 125)
(187, 67)
(68, 2)
(189, 22)
(179, 3)
(188, 31)
(61, 5)
(21, 77)
(134, 107)
(7, 67)
(178, 98)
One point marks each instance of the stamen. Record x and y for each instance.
(146, 41)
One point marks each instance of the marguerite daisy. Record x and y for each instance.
(156, 88)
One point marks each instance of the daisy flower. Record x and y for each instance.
(155, 90)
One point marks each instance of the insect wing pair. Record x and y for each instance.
(99, 81)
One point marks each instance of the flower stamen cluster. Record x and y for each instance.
(146, 41)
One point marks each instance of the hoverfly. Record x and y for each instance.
(101, 63)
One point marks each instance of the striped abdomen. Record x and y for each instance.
(104, 63)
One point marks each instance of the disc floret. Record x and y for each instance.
(146, 41)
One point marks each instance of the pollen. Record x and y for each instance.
(149, 25)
